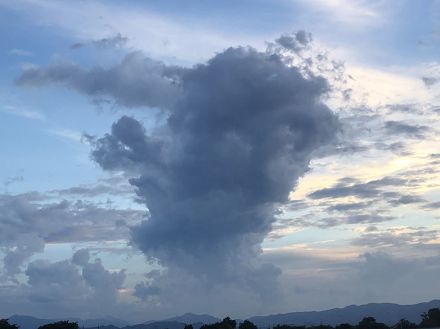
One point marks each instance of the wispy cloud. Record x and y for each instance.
(353, 12)
(68, 134)
(24, 113)
(20, 52)
(156, 34)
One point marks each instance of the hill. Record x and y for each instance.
(191, 318)
(30, 322)
(387, 313)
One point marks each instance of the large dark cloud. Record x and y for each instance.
(234, 145)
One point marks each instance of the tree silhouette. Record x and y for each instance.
(344, 326)
(246, 324)
(188, 326)
(404, 324)
(4, 324)
(285, 326)
(431, 318)
(227, 323)
(370, 323)
(60, 325)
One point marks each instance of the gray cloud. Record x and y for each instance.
(77, 45)
(370, 189)
(113, 186)
(344, 207)
(432, 205)
(405, 108)
(51, 283)
(11, 180)
(60, 221)
(429, 81)
(28, 221)
(144, 291)
(373, 207)
(20, 52)
(322, 280)
(402, 128)
(295, 41)
(370, 218)
(63, 287)
(324, 217)
(390, 238)
(136, 81)
(235, 143)
(22, 248)
(116, 41)
(81, 257)
(104, 283)
(407, 199)
(396, 147)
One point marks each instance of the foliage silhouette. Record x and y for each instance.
(285, 326)
(246, 324)
(370, 323)
(60, 325)
(227, 323)
(4, 324)
(405, 324)
(431, 318)
(344, 326)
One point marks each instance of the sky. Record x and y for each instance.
(235, 158)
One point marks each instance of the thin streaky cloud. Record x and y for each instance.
(23, 113)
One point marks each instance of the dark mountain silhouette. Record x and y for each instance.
(159, 325)
(177, 322)
(387, 313)
(30, 322)
(190, 318)
(104, 327)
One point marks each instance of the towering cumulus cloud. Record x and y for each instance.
(239, 134)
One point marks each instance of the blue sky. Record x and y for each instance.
(360, 202)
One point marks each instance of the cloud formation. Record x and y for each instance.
(240, 135)
(240, 130)
(136, 81)
(68, 288)
(29, 221)
(113, 42)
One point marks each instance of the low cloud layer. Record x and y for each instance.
(72, 287)
(29, 221)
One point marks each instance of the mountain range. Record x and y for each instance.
(387, 313)
(30, 322)
(383, 312)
